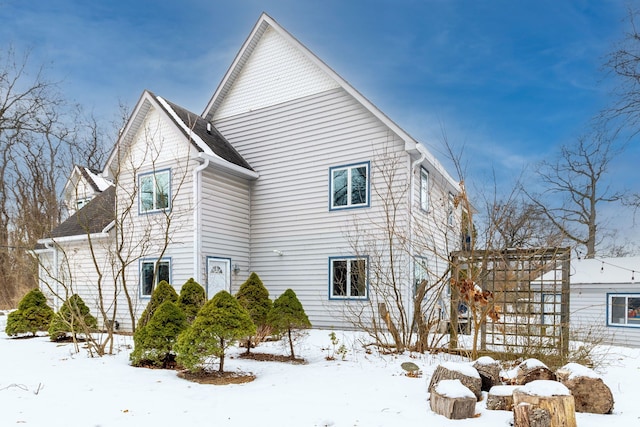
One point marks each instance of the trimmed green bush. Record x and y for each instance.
(163, 292)
(74, 317)
(192, 298)
(254, 297)
(287, 315)
(153, 343)
(220, 322)
(33, 315)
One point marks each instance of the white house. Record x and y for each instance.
(605, 299)
(289, 172)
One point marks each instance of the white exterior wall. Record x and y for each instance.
(158, 145)
(292, 146)
(225, 223)
(589, 313)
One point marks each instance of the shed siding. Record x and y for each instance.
(589, 313)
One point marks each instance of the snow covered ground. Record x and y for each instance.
(47, 384)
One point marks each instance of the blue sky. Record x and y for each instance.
(509, 80)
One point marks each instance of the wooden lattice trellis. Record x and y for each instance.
(530, 289)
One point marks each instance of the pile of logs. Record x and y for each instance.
(537, 396)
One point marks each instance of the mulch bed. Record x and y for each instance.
(266, 357)
(217, 378)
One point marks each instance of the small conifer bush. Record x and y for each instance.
(154, 342)
(192, 298)
(254, 297)
(33, 315)
(163, 292)
(287, 316)
(218, 325)
(74, 317)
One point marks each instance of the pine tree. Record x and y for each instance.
(33, 315)
(254, 297)
(287, 315)
(220, 322)
(163, 292)
(192, 298)
(73, 317)
(154, 342)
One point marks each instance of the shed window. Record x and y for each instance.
(624, 310)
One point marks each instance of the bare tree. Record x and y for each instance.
(573, 187)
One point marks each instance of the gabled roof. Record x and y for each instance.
(194, 126)
(92, 177)
(94, 217)
(264, 22)
(212, 146)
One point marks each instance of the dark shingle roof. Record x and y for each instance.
(92, 218)
(218, 143)
(85, 173)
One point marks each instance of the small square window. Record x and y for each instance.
(624, 310)
(349, 186)
(348, 278)
(154, 191)
(153, 272)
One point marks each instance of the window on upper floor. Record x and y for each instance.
(349, 186)
(424, 190)
(623, 310)
(80, 203)
(154, 193)
(152, 272)
(348, 278)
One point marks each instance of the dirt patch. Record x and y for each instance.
(266, 357)
(217, 378)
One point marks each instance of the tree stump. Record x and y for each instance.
(500, 397)
(591, 394)
(489, 370)
(467, 375)
(533, 370)
(531, 401)
(453, 400)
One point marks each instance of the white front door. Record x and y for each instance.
(218, 276)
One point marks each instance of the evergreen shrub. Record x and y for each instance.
(287, 316)
(254, 297)
(33, 315)
(74, 317)
(192, 298)
(163, 292)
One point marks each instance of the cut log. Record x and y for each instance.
(550, 396)
(591, 394)
(500, 397)
(453, 400)
(525, 415)
(489, 370)
(533, 370)
(467, 375)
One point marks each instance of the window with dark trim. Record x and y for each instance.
(154, 191)
(348, 278)
(153, 272)
(349, 186)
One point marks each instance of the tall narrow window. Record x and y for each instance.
(424, 190)
(153, 272)
(349, 186)
(154, 191)
(420, 272)
(348, 278)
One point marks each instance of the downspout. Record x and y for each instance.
(412, 255)
(197, 238)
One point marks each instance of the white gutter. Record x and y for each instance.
(230, 167)
(197, 238)
(66, 239)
